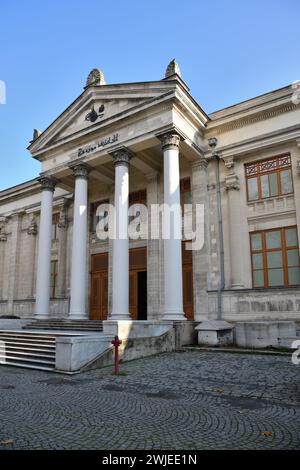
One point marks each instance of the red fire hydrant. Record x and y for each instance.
(116, 342)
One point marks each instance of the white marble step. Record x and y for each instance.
(5, 357)
(28, 366)
(286, 342)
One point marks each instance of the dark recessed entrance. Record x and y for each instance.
(142, 295)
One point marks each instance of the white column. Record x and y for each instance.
(43, 276)
(233, 187)
(78, 292)
(120, 275)
(173, 309)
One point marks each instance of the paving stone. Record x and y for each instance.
(190, 400)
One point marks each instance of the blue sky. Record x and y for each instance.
(228, 51)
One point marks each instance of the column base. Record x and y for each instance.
(120, 316)
(237, 286)
(174, 316)
(41, 316)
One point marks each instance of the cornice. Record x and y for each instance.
(215, 128)
(282, 136)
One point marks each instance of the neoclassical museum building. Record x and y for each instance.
(152, 143)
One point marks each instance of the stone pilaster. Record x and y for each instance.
(200, 256)
(32, 231)
(14, 259)
(153, 254)
(296, 182)
(232, 184)
(63, 224)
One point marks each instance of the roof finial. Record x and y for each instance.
(36, 134)
(172, 69)
(95, 77)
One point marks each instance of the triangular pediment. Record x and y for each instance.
(99, 111)
(97, 107)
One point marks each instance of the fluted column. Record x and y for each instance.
(120, 274)
(43, 276)
(78, 292)
(233, 191)
(173, 308)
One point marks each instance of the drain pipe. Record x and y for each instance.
(212, 143)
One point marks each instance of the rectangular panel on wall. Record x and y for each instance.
(100, 262)
(138, 258)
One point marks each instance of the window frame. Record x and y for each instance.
(54, 274)
(55, 226)
(264, 251)
(259, 174)
(93, 208)
(185, 187)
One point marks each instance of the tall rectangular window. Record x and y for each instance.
(268, 178)
(275, 257)
(185, 191)
(55, 226)
(95, 219)
(53, 279)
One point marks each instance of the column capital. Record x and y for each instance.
(47, 183)
(232, 182)
(80, 169)
(170, 140)
(121, 156)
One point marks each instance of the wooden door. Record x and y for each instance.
(99, 287)
(187, 283)
(133, 294)
(99, 297)
(137, 263)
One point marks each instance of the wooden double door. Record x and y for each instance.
(137, 284)
(99, 287)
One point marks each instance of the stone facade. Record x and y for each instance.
(148, 120)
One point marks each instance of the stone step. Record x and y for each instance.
(27, 334)
(33, 350)
(7, 347)
(26, 339)
(5, 358)
(65, 325)
(286, 342)
(5, 352)
(28, 366)
(27, 344)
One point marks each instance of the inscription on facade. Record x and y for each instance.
(100, 144)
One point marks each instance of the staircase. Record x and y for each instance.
(66, 325)
(27, 349)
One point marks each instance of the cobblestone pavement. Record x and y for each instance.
(183, 400)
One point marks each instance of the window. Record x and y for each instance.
(185, 192)
(53, 279)
(95, 219)
(267, 178)
(138, 197)
(275, 257)
(55, 227)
